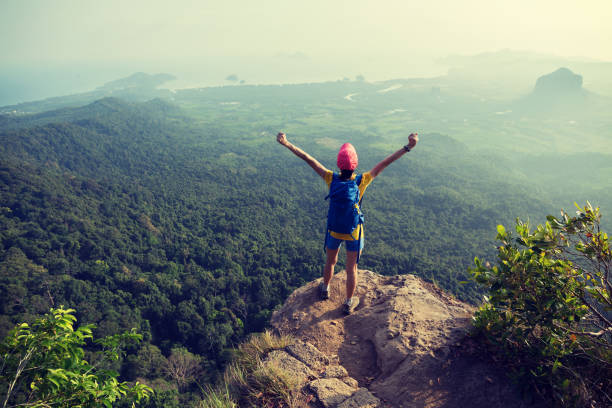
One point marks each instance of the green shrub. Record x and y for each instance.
(43, 365)
(548, 308)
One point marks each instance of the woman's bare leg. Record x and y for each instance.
(330, 263)
(351, 272)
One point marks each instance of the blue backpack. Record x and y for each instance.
(344, 213)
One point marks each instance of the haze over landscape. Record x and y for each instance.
(49, 49)
(142, 185)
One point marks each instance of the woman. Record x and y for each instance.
(347, 163)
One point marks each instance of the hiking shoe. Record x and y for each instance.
(323, 291)
(350, 304)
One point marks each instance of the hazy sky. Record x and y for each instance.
(47, 31)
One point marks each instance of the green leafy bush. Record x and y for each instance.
(548, 308)
(43, 365)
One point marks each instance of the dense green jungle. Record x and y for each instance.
(182, 217)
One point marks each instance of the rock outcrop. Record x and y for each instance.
(559, 93)
(562, 82)
(404, 346)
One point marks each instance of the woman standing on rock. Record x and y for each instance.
(344, 218)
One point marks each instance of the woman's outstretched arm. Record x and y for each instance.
(412, 141)
(312, 162)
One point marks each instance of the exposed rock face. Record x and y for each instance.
(405, 346)
(292, 366)
(309, 354)
(331, 391)
(319, 377)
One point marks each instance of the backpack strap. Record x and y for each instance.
(359, 249)
(360, 177)
(358, 180)
(334, 178)
(327, 224)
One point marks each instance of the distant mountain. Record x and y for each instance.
(138, 87)
(560, 93)
(137, 80)
(105, 137)
(561, 83)
(100, 108)
(508, 74)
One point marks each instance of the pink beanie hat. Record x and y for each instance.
(347, 157)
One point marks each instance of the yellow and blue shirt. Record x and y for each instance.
(366, 179)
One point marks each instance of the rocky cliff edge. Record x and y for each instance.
(404, 346)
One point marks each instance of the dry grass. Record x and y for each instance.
(249, 354)
(248, 382)
(217, 398)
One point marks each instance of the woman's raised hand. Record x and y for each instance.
(281, 138)
(413, 140)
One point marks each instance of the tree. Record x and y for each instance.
(183, 367)
(549, 304)
(43, 365)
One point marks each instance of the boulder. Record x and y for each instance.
(292, 366)
(361, 399)
(331, 391)
(308, 354)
